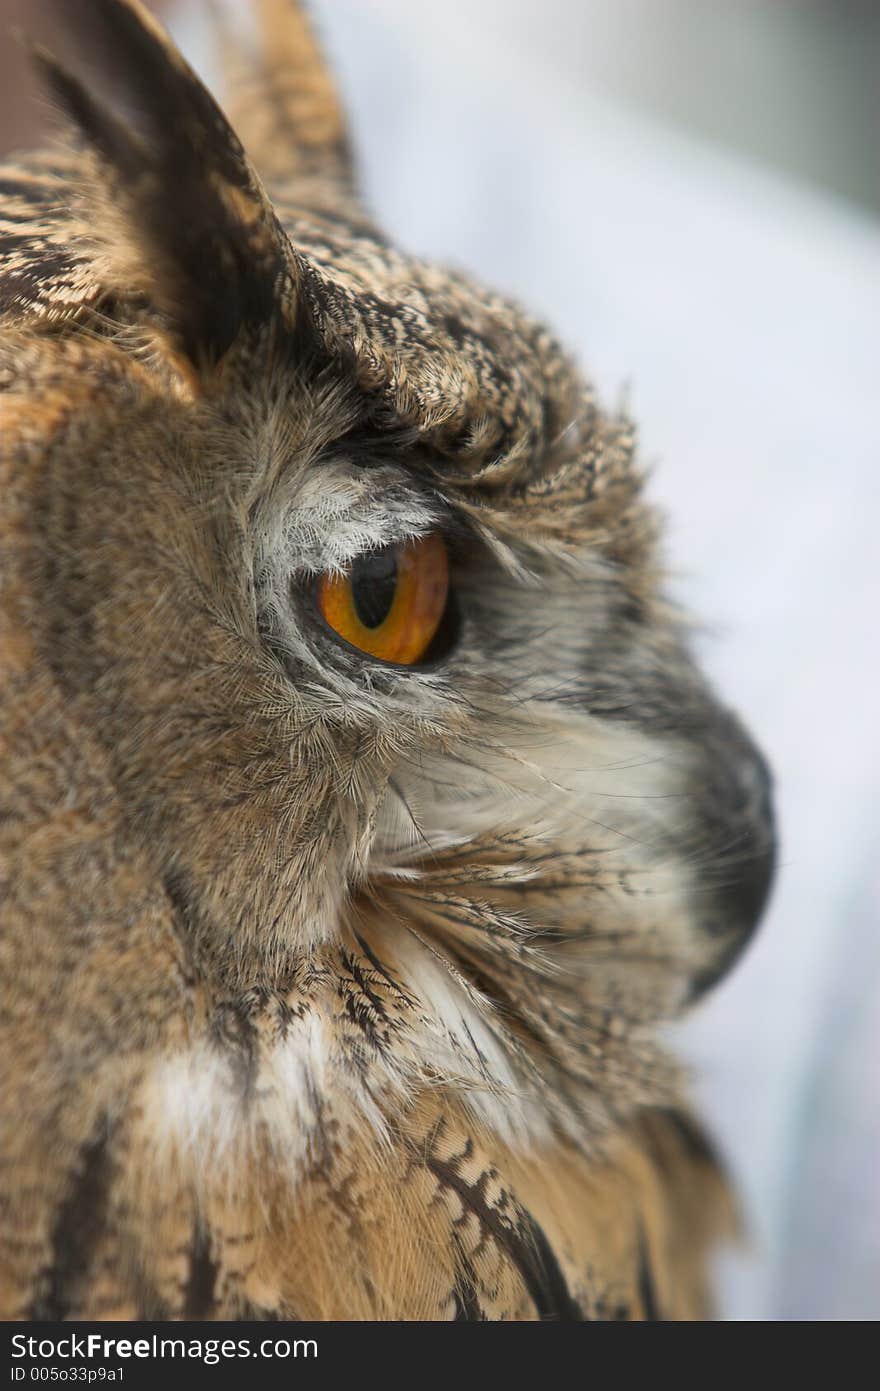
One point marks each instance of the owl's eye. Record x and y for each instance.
(390, 603)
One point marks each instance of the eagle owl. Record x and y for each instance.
(363, 815)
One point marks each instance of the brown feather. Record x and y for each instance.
(329, 989)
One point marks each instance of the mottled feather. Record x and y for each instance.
(329, 989)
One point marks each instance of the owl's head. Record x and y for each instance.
(351, 607)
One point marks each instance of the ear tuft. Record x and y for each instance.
(286, 103)
(214, 258)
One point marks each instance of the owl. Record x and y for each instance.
(364, 817)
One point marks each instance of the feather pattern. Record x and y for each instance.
(330, 988)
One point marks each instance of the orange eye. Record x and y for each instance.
(390, 603)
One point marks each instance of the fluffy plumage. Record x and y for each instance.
(330, 989)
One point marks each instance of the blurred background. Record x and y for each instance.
(689, 190)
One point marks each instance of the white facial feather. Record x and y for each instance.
(335, 513)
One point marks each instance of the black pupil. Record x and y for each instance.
(373, 585)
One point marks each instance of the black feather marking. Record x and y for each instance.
(547, 1284)
(199, 1299)
(646, 1285)
(79, 1225)
(528, 1248)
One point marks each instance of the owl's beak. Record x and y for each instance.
(737, 884)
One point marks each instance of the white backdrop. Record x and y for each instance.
(743, 317)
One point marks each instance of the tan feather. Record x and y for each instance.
(330, 988)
